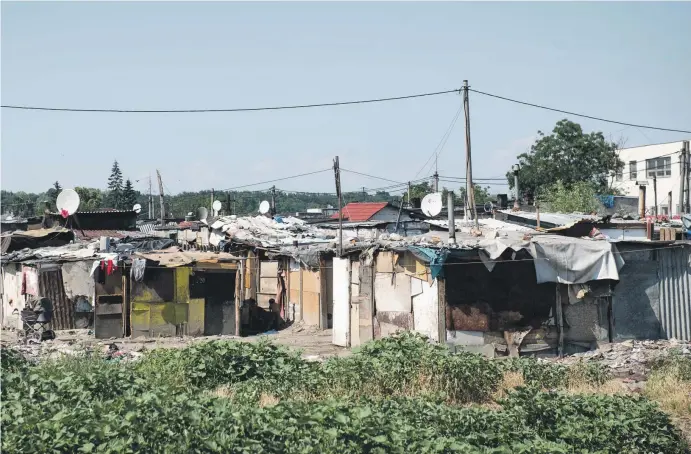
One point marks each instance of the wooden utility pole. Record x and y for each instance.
(273, 200)
(160, 192)
(151, 201)
(655, 194)
(687, 153)
(364, 194)
(470, 189)
(337, 177)
(436, 181)
(410, 190)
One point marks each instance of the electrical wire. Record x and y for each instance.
(241, 109)
(442, 142)
(372, 176)
(578, 114)
(278, 179)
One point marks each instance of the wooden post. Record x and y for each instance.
(470, 189)
(240, 297)
(559, 321)
(337, 177)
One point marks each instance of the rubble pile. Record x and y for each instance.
(631, 359)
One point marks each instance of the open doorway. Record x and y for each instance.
(218, 290)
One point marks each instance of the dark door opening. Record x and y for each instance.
(219, 303)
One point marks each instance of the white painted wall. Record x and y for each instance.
(341, 302)
(426, 308)
(11, 295)
(392, 292)
(664, 184)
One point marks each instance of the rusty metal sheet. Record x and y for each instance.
(51, 286)
(467, 318)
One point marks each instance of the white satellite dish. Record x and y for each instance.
(432, 204)
(67, 202)
(216, 206)
(202, 213)
(264, 207)
(137, 208)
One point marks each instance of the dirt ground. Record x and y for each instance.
(314, 344)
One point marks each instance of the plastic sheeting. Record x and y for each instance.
(435, 258)
(557, 259)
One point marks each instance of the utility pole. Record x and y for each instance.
(687, 181)
(211, 207)
(364, 194)
(337, 177)
(470, 189)
(228, 202)
(655, 194)
(436, 181)
(409, 193)
(669, 204)
(152, 214)
(273, 200)
(160, 192)
(683, 181)
(452, 218)
(517, 201)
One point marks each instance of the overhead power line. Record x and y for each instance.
(278, 179)
(577, 114)
(442, 142)
(372, 176)
(239, 109)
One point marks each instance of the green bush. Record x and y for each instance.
(549, 375)
(162, 404)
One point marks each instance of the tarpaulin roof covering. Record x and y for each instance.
(173, 257)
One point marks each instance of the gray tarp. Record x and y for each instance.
(561, 259)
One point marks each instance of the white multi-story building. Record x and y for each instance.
(642, 164)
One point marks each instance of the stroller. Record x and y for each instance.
(35, 320)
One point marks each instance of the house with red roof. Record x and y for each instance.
(372, 211)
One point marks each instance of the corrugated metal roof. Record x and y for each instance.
(92, 234)
(675, 291)
(361, 211)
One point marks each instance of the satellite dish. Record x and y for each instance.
(431, 204)
(67, 202)
(264, 207)
(202, 213)
(216, 206)
(137, 208)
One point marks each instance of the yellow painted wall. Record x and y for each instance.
(164, 318)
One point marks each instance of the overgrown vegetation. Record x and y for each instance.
(399, 394)
(579, 197)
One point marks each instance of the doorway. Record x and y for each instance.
(219, 302)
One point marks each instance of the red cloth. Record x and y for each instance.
(64, 213)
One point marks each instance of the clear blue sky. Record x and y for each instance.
(625, 61)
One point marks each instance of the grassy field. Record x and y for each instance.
(400, 394)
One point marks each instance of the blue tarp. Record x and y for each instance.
(607, 200)
(435, 258)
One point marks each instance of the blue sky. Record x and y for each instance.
(625, 61)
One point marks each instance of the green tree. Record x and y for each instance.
(129, 195)
(570, 156)
(580, 197)
(90, 199)
(52, 194)
(482, 195)
(115, 190)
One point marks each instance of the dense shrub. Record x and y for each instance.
(164, 403)
(550, 376)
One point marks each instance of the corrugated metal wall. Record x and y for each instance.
(674, 265)
(51, 286)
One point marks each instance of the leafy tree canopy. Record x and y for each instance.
(570, 156)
